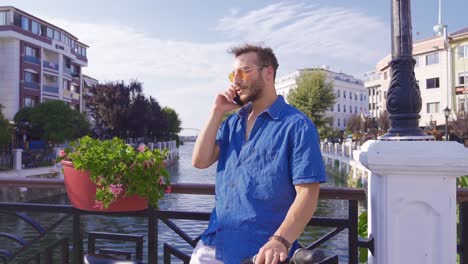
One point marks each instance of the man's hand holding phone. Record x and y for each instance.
(227, 100)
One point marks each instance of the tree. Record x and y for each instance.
(383, 122)
(313, 96)
(460, 127)
(173, 122)
(52, 121)
(108, 105)
(5, 133)
(158, 123)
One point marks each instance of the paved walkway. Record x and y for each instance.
(29, 172)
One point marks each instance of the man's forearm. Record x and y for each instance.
(300, 212)
(204, 153)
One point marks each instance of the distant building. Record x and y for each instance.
(441, 71)
(351, 96)
(39, 62)
(87, 84)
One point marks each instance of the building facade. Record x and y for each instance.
(440, 71)
(38, 62)
(351, 95)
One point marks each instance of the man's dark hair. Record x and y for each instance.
(265, 55)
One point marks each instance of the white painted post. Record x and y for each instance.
(350, 151)
(337, 147)
(17, 159)
(151, 146)
(412, 199)
(330, 147)
(343, 150)
(322, 144)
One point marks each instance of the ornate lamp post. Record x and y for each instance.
(447, 114)
(404, 98)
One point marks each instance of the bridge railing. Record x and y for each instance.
(18, 246)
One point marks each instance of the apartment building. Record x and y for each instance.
(38, 62)
(440, 72)
(351, 95)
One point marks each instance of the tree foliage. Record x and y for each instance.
(121, 110)
(5, 133)
(314, 96)
(460, 127)
(173, 122)
(52, 121)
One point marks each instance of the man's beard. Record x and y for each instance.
(254, 91)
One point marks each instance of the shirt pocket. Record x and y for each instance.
(262, 173)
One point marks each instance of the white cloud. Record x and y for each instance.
(306, 35)
(186, 75)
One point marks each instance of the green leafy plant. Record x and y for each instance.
(116, 168)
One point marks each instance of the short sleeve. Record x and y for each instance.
(220, 134)
(306, 159)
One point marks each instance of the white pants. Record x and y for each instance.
(203, 254)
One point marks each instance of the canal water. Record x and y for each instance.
(181, 172)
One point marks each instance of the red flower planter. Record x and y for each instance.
(82, 193)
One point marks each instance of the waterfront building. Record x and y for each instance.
(440, 71)
(39, 62)
(351, 95)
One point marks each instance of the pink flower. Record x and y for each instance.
(161, 181)
(62, 153)
(168, 189)
(116, 189)
(142, 148)
(98, 204)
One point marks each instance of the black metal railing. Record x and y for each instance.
(154, 217)
(34, 158)
(6, 159)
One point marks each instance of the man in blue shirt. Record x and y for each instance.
(269, 166)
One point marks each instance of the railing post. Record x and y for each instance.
(337, 147)
(412, 199)
(353, 232)
(322, 144)
(343, 150)
(152, 236)
(77, 240)
(17, 159)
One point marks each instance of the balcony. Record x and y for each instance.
(50, 65)
(67, 71)
(67, 93)
(75, 96)
(75, 74)
(31, 85)
(50, 89)
(32, 59)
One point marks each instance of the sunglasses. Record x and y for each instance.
(242, 73)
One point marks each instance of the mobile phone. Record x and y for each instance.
(237, 100)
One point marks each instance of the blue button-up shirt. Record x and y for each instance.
(256, 177)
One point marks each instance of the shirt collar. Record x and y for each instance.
(273, 111)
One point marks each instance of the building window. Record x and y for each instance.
(344, 94)
(339, 108)
(344, 108)
(3, 17)
(30, 77)
(385, 95)
(338, 94)
(432, 58)
(331, 108)
(339, 122)
(433, 107)
(461, 104)
(350, 95)
(50, 33)
(463, 51)
(344, 122)
(355, 109)
(25, 23)
(350, 109)
(355, 96)
(35, 28)
(30, 51)
(361, 97)
(56, 35)
(29, 102)
(462, 78)
(432, 83)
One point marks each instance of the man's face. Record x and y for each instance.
(251, 87)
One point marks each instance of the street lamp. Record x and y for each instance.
(447, 114)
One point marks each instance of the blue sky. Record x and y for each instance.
(178, 48)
